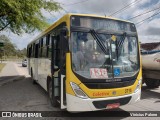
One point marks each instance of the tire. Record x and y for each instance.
(152, 83)
(53, 101)
(33, 81)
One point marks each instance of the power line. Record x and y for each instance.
(66, 11)
(141, 22)
(66, 5)
(125, 7)
(144, 13)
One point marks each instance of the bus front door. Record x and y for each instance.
(58, 75)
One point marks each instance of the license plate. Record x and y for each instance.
(114, 105)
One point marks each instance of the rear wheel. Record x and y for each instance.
(152, 83)
(54, 102)
(33, 81)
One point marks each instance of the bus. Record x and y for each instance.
(87, 62)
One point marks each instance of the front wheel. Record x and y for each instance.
(54, 102)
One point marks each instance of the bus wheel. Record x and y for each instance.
(54, 102)
(152, 83)
(33, 81)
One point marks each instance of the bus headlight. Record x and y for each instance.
(77, 90)
(138, 85)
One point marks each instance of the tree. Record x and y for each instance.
(9, 48)
(25, 15)
(22, 53)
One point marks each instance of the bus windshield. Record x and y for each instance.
(90, 60)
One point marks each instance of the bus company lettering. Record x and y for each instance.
(100, 93)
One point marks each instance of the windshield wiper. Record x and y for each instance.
(99, 42)
(120, 43)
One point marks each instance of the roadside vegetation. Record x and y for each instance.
(2, 66)
(10, 50)
(22, 16)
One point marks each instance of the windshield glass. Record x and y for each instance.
(124, 52)
(91, 61)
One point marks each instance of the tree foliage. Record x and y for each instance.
(10, 49)
(25, 15)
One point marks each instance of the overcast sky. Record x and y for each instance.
(148, 31)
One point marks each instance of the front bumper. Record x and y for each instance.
(76, 104)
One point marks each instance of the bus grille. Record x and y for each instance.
(109, 85)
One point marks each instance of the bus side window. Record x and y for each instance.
(44, 47)
(29, 51)
(33, 51)
(57, 51)
(36, 50)
(40, 50)
(48, 45)
(50, 48)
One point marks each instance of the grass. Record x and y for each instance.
(2, 66)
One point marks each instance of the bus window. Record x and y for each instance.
(47, 44)
(43, 47)
(33, 50)
(49, 50)
(29, 51)
(39, 50)
(44, 41)
(31, 55)
(36, 51)
(41, 42)
(57, 51)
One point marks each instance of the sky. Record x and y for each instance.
(148, 30)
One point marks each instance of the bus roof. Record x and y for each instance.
(99, 16)
(66, 17)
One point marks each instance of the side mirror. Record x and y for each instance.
(64, 39)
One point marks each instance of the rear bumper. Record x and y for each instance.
(76, 104)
